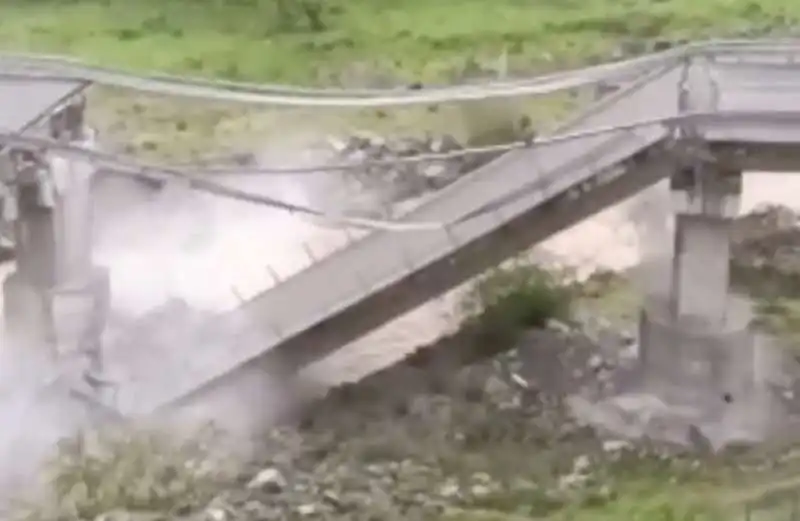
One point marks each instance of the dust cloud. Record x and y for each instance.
(212, 253)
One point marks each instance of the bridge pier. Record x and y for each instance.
(696, 344)
(57, 300)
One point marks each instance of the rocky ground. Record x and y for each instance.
(395, 176)
(494, 440)
(423, 440)
(498, 439)
(429, 440)
(765, 256)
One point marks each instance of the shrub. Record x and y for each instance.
(509, 300)
(126, 470)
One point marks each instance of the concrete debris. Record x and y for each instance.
(395, 176)
(393, 447)
(268, 480)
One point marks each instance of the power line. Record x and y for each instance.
(194, 179)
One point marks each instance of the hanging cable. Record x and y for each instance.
(128, 166)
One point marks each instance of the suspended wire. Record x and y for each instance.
(194, 176)
(130, 167)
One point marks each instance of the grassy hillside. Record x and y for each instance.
(334, 41)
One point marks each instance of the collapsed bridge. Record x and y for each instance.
(698, 115)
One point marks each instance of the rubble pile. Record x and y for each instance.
(424, 436)
(417, 439)
(395, 176)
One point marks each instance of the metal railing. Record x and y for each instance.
(50, 67)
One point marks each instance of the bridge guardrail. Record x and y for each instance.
(55, 67)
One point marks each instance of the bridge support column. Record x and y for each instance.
(57, 299)
(695, 342)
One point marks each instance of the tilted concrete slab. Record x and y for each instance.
(378, 278)
(367, 284)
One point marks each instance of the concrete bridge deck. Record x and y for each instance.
(387, 273)
(746, 108)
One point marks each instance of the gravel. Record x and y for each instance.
(387, 185)
(420, 439)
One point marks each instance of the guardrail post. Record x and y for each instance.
(351, 239)
(452, 239)
(276, 279)
(309, 252)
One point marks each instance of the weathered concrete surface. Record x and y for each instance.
(701, 267)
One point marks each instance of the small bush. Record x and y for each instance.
(509, 300)
(129, 471)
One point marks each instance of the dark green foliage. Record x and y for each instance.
(510, 300)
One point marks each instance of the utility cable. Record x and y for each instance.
(128, 166)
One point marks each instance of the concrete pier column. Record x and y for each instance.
(693, 340)
(57, 289)
(700, 268)
(705, 204)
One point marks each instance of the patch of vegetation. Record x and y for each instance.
(610, 295)
(363, 41)
(514, 298)
(130, 470)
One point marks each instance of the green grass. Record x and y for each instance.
(514, 298)
(244, 39)
(362, 43)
